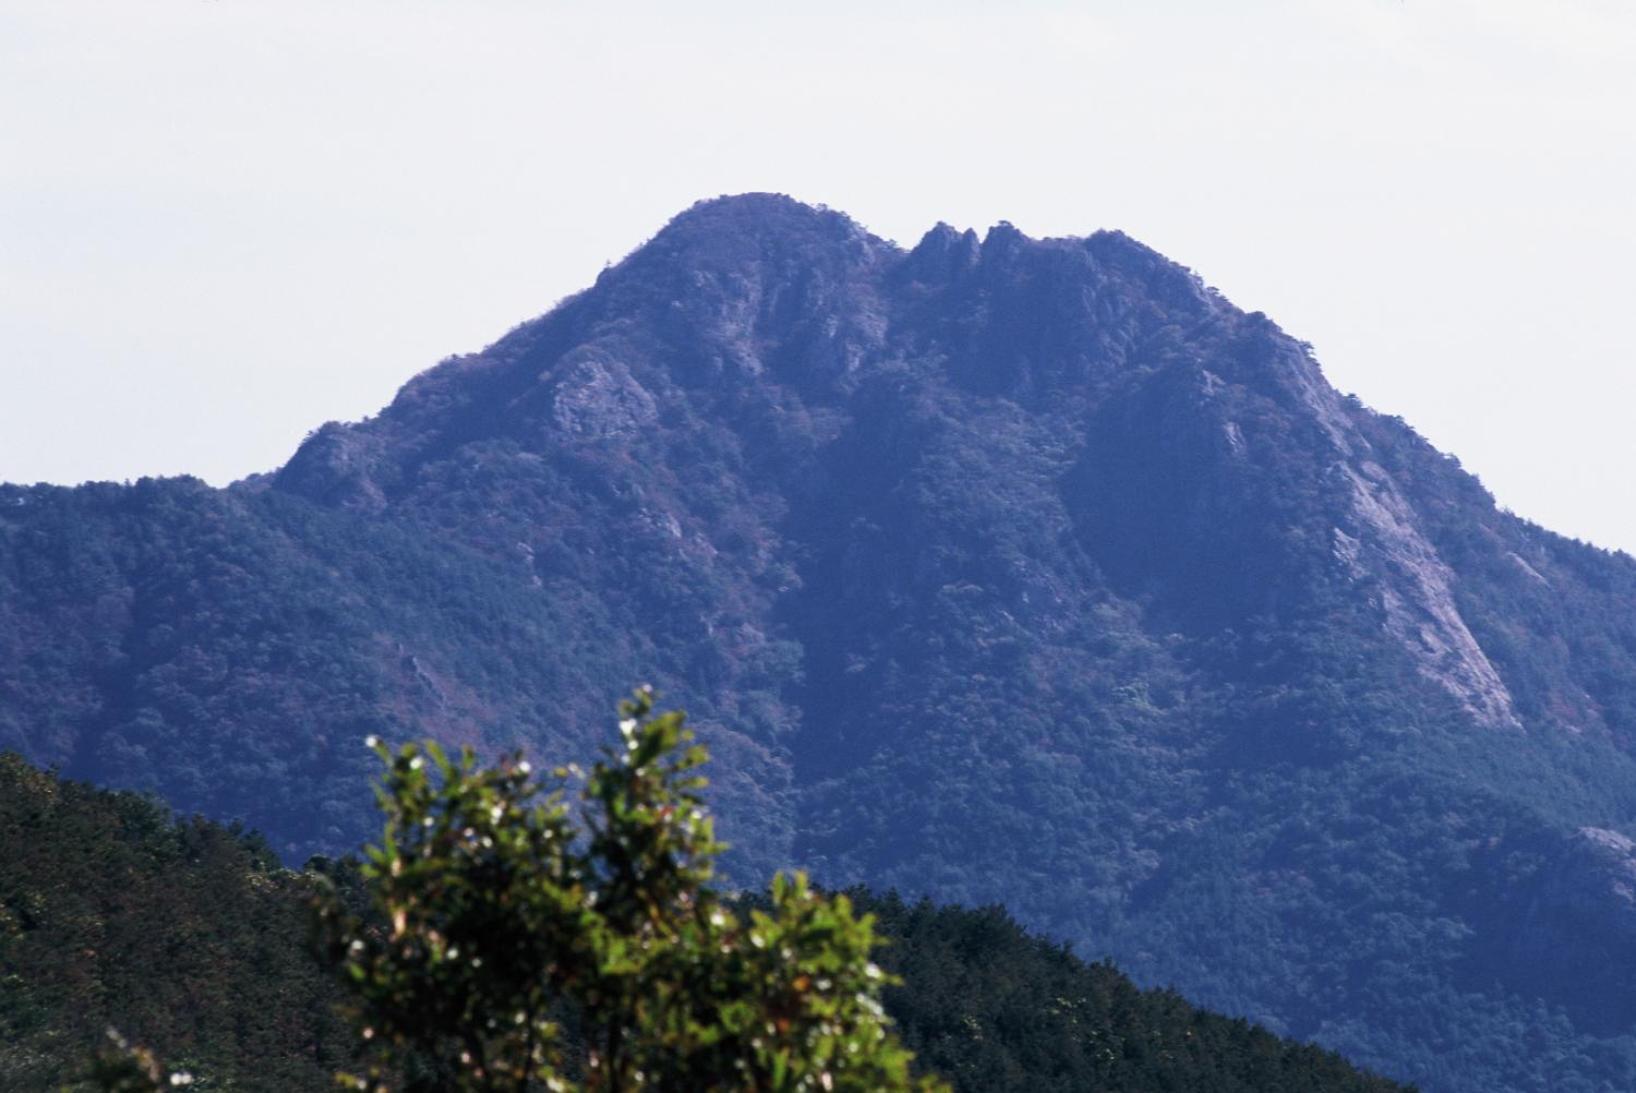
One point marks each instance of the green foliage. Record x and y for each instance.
(493, 909)
(980, 1001)
(186, 936)
(993, 1008)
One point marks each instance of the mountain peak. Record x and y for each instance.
(762, 216)
(1021, 568)
(752, 203)
(1004, 233)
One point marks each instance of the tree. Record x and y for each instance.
(507, 920)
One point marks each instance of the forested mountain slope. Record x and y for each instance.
(191, 939)
(187, 936)
(1000, 569)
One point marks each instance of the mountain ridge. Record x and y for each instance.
(994, 568)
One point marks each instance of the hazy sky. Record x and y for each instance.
(224, 222)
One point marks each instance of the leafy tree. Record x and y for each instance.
(500, 921)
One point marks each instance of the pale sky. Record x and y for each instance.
(224, 222)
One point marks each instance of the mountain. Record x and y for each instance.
(190, 938)
(1000, 569)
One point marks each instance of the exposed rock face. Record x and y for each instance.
(597, 399)
(1614, 858)
(337, 465)
(1416, 593)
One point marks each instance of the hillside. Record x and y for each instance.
(998, 569)
(190, 938)
(184, 935)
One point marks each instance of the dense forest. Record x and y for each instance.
(190, 937)
(994, 569)
(185, 935)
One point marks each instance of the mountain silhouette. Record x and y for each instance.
(999, 569)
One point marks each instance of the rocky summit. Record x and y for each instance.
(998, 569)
